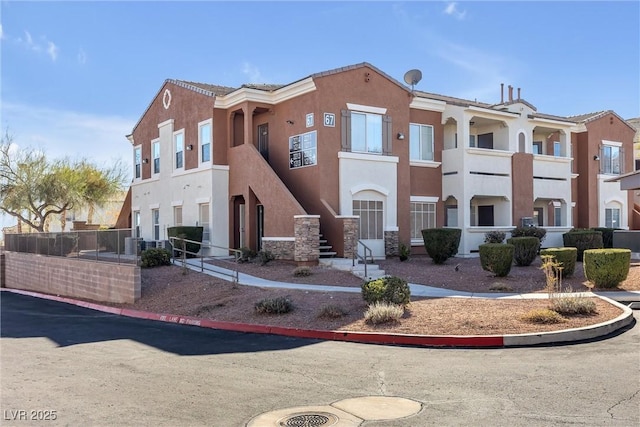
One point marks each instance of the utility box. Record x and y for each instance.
(527, 221)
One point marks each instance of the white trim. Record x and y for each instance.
(135, 208)
(428, 104)
(574, 175)
(279, 239)
(306, 216)
(283, 94)
(611, 143)
(367, 157)
(424, 199)
(203, 200)
(366, 108)
(176, 203)
(348, 216)
(425, 164)
(165, 123)
(391, 228)
(364, 187)
(490, 152)
(556, 204)
(614, 200)
(487, 113)
(154, 205)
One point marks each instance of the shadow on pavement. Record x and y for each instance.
(28, 317)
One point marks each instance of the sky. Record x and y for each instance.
(75, 76)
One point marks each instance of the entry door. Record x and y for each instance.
(263, 140)
(538, 216)
(241, 216)
(260, 225)
(371, 213)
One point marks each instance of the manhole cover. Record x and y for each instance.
(315, 419)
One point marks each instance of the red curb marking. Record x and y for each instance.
(361, 337)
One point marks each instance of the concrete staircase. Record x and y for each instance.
(344, 264)
(326, 249)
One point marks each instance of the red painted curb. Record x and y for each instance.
(479, 341)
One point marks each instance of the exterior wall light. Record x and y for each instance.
(400, 135)
(189, 147)
(596, 157)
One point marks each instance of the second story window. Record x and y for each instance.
(366, 133)
(205, 141)
(137, 161)
(178, 143)
(611, 160)
(421, 142)
(156, 157)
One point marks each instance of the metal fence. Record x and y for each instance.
(113, 245)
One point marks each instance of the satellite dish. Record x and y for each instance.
(412, 77)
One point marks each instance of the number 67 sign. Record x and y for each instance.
(330, 119)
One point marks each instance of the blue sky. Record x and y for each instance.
(76, 76)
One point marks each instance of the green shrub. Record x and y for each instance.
(188, 233)
(391, 289)
(494, 236)
(155, 257)
(332, 311)
(496, 258)
(525, 249)
(607, 236)
(566, 257)
(403, 252)
(538, 232)
(583, 240)
(279, 305)
(246, 255)
(606, 268)
(441, 243)
(302, 271)
(383, 312)
(265, 256)
(570, 305)
(543, 316)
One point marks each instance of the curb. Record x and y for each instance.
(450, 341)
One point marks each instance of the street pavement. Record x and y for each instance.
(95, 369)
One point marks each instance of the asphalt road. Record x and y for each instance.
(86, 368)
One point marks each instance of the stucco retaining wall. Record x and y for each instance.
(97, 281)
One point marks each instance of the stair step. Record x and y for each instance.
(323, 241)
(327, 254)
(325, 247)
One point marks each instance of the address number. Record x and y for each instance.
(330, 119)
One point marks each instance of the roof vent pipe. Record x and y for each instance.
(510, 93)
(518, 93)
(501, 93)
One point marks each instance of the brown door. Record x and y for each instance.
(263, 140)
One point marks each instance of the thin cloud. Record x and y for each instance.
(82, 57)
(1, 33)
(27, 41)
(252, 72)
(52, 50)
(452, 10)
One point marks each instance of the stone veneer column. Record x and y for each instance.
(306, 229)
(391, 242)
(351, 231)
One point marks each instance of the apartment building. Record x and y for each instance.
(351, 157)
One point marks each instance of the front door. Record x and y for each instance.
(263, 140)
(260, 225)
(371, 213)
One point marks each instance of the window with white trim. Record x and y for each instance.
(371, 217)
(204, 221)
(557, 216)
(137, 161)
(423, 216)
(537, 147)
(610, 160)
(155, 221)
(421, 142)
(204, 135)
(366, 132)
(612, 217)
(557, 149)
(177, 216)
(136, 224)
(155, 148)
(178, 149)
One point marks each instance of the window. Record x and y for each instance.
(610, 160)
(538, 216)
(177, 215)
(155, 221)
(557, 149)
(137, 161)
(205, 142)
(178, 142)
(557, 216)
(136, 224)
(485, 216)
(472, 141)
(156, 157)
(204, 222)
(366, 132)
(423, 215)
(421, 142)
(537, 147)
(370, 212)
(485, 140)
(612, 218)
(452, 216)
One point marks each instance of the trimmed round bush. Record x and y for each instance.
(497, 258)
(606, 268)
(583, 240)
(494, 236)
(155, 257)
(566, 257)
(389, 289)
(538, 232)
(525, 249)
(441, 243)
(607, 236)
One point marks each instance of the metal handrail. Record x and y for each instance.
(366, 250)
(182, 250)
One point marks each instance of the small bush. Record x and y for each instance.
(332, 311)
(302, 271)
(403, 252)
(571, 305)
(552, 271)
(583, 240)
(525, 249)
(246, 255)
(496, 258)
(543, 316)
(500, 287)
(155, 257)
(390, 289)
(565, 257)
(265, 256)
(606, 268)
(441, 243)
(193, 233)
(538, 232)
(494, 236)
(607, 236)
(382, 312)
(279, 305)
